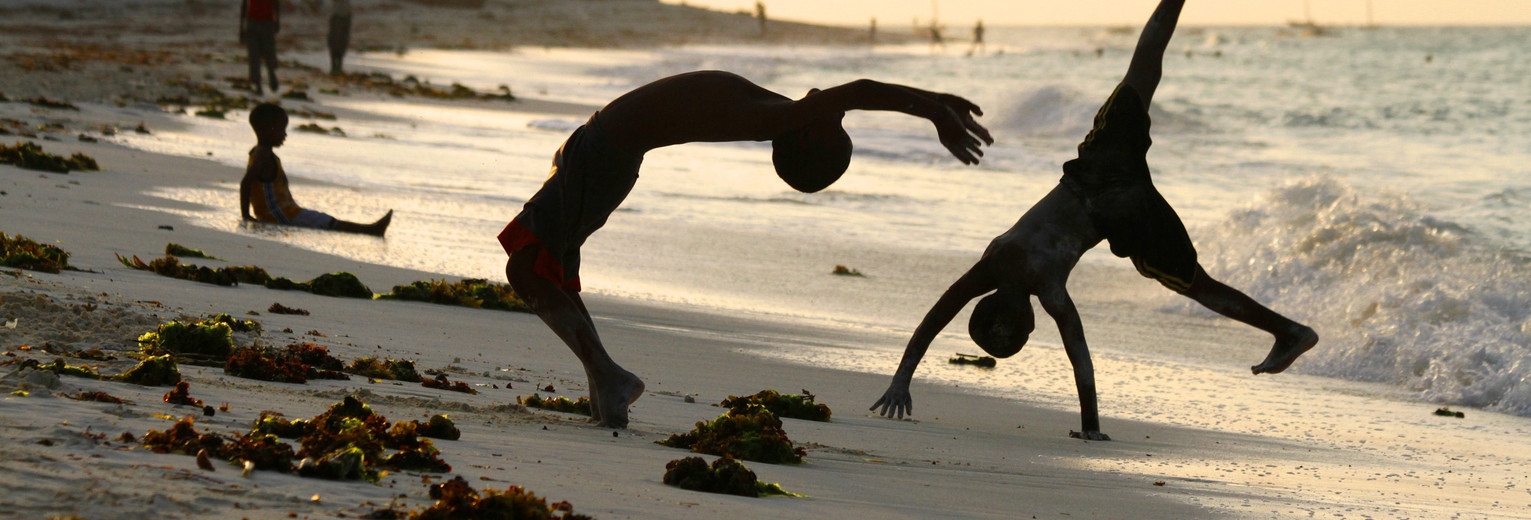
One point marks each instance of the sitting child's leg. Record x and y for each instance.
(612, 388)
(375, 228)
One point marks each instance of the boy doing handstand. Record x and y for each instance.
(598, 165)
(264, 187)
(1106, 194)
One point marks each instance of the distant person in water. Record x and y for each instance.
(259, 23)
(1106, 194)
(264, 187)
(978, 44)
(598, 165)
(340, 34)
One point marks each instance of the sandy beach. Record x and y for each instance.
(1181, 452)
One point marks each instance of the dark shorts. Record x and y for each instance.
(1111, 175)
(590, 179)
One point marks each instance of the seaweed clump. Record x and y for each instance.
(349, 435)
(174, 249)
(456, 499)
(580, 406)
(340, 284)
(278, 308)
(172, 267)
(441, 382)
(182, 438)
(32, 157)
(201, 342)
(476, 293)
(753, 434)
(437, 427)
(315, 128)
(295, 363)
(975, 360)
(726, 475)
(387, 368)
(58, 367)
(182, 395)
(1448, 412)
(100, 397)
(846, 271)
(791, 406)
(153, 371)
(24, 253)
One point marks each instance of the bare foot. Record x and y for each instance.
(616, 394)
(1286, 350)
(381, 226)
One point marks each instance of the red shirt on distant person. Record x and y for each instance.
(261, 10)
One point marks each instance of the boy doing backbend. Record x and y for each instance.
(1106, 193)
(264, 187)
(598, 165)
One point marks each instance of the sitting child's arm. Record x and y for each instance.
(247, 187)
(952, 115)
(896, 401)
(1057, 303)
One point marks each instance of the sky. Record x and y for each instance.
(1133, 12)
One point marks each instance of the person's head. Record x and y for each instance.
(815, 156)
(1001, 323)
(270, 124)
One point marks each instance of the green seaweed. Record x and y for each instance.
(846, 271)
(791, 406)
(174, 249)
(1448, 412)
(43, 101)
(278, 308)
(476, 293)
(455, 499)
(726, 475)
(580, 406)
(58, 367)
(153, 371)
(387, 368)
(315, 128)
(274, 423)
(203, 342)
(753, 434)
(341, 284)
(235, 324)
(171, 266)
(24, 253)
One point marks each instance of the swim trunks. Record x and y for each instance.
(590, 178)
(1111, 176)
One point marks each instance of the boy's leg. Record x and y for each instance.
(1292, 338)
(270, 58)
(1148, 58)
(612, 388)
(375, 228)
(252, 52)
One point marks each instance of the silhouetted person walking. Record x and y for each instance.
(259, 22)
(761, 16)
(340, 34)
(977, 39)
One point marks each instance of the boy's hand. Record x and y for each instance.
(895, 402)
(958, 132)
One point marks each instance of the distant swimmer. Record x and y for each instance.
(264, 187)
(597, 166)
(1105, 194)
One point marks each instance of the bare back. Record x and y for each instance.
(1043, 246)
(703, 106)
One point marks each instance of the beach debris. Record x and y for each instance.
(437, 427)
(726, 475)
(100, 397)
(152, 371)
(477, 293)
(278, 308)
(142, 129)
(846, 271)
(226, 276)
(975, 360)
(235, 324)
(174, 249)
(311, 114)
(456, 499)
(24, 253)
(182, 395)
(212, 113)
(208, 411)
(442, 383)
(1448, 412)
(296, 94)
(32, 157)
(201, 342)
(791, 406)
(342, 284)
(87, 139)
(413, 86)
(387, 368)
(295, 363)
(203, 462)
(58, 367)
(1159, 483)
(181, 438)
(557, 404)
(44, 102)
(753, 434)
(316, 129)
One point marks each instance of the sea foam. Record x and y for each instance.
(1399, 296)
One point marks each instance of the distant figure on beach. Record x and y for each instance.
(340, 34)
(264, 187)
(259, 23)
(935, 35)
(978, 45)
(1107, 194)
(597, 166)
(760, 16)
(872, 31)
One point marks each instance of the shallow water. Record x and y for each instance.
(1346, 181)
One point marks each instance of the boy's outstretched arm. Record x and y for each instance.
(1061, 308)
(896, 401)
(1148, 58)
(952, 115)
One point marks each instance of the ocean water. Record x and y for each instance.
(1371, 183)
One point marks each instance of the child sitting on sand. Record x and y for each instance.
(598, 165)
(264, 186)
(1105, 194)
